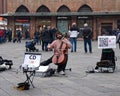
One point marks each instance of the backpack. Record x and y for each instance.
(23, 86)
(49, 72)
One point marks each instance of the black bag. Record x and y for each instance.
(2, 68)
(6, 62)
(23, 86)
(104, 63)
(49, 72)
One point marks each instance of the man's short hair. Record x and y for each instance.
(73, 24)
(85, 25)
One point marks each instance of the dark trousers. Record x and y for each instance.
(89, 42)
(44, 46)
(9, 38)
(61, 67)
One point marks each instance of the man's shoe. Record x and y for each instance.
(96, 70)
(91, 71)
(62, 73)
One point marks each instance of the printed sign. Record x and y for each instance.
(31, 60)
(105, 42)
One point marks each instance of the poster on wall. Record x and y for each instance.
(105, 42)
(62, 26)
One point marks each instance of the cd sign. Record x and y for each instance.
(32, 57)
(32, 60)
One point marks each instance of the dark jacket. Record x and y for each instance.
(74, 28)
(87, 33)
(47, 36)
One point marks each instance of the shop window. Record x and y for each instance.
(106, 28)
(118, 24)
(84, 19)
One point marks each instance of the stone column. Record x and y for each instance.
(11, 24)
(54, 22)
(95, 28)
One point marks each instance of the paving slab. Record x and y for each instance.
(76, 83)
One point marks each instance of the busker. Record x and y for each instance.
(60, 57)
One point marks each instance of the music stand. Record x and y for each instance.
(31, 63)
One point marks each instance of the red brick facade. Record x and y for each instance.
(105, 14)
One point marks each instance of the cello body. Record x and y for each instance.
(60, 58)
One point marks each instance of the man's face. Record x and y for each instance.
(59, 36)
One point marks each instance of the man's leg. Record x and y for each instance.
(90, 45)
(46, 44)
(46, 62)
(75, 44)
(62, 67)
(71, 40)
(85, 45)
(43, 44)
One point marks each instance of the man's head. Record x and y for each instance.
(73, 24)
(59, 35)
(85, 25)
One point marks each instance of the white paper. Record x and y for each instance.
(105, 42)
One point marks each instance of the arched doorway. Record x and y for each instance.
(22, 23)
(63, 22)
(84, 19)
(43, 20)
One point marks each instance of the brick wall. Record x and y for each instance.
(73, 5)
(3, 6)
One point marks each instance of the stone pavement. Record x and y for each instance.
(76, 83)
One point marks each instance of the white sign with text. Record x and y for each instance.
(105, 42)
(31, 60)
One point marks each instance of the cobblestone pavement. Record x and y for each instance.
(76, 82)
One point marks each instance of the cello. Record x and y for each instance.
(60, 58)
